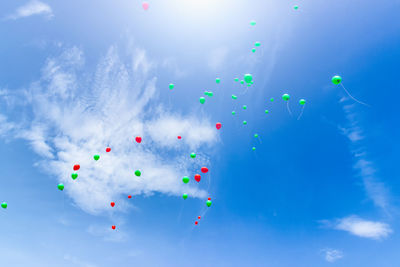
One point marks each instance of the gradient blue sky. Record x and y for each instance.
(319, 191)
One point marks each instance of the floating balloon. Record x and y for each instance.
(60, 187)
(257, 44)
(196, 222)
(254, 148)
(209, 198)
(108, 149)
(272, 99)
(129, 196)
(248, 78)
(208, 93)
(113, 227)
(185, 196)
(218, 125)
(112, 204)
(302, 101)
(336, 79)
(253, 23)
(286, 97)
(208, 203)
(233, 112)
(74, 176)
(179, 137)
(242, 82)
(296, 7)
(202, 100)
(255, 135)
(234, 97)
(4, 205)
(253, 50)
(197, 177)
(236, 79)
(204, 169)
(199, 217)
(244, 122)
(266, 111)
(76, 167)
(96, 157)
(138, 173)
(185, 179)
(145, 5)
(217, 80)
(171, 86)
(138, 139)
(244, 107)
(192, 155)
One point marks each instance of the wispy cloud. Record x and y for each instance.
(77, 262)
(332, 255)
(360, 227)
(32, 8)
(74, 114)
(375, 189)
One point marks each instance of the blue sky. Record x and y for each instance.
(319, 191)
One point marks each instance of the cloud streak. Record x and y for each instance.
(32, 8)
(332, 255)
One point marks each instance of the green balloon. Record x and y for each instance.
(302, 101)
(255, 135)
(234, 97)
(206, 92)
(253, 23)
(202, 100)
(272, 99)
(254, 148)
(257, 44)
(286, 97)
(138, 173)
(236, 79)
(217, 80)
(210, 94)
(233, 112)
(171, 86)
(251, 82)
(242, 82)
(185, 196)
(208, 203)
(4, 205)
(244, 107)
(74, 176)
(193, 155)
(296, 7)
(336, 79)
(266, 111)
(96, 157)
(244, 122)
(185, 179)
(253, 50)
(248, 78)
(60, 187)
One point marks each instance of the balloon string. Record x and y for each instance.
(301, 113)
(287, 105)
(358, 101)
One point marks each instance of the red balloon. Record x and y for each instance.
(179, 137)
(112, 204)
(204, 169)
(209, 198)
(108, 149)
(129, 196)
(145, 5)
(113, 227)
(199, 217)
(138, 139)
(196, 222)
(218, 125)
(76, 167)
(197, 177)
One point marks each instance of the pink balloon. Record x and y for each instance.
(145, 5)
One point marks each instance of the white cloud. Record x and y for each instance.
(76, 114)
(360, 227)
(31, 8)
(77, 262)
(332, 255)
(375, 189)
